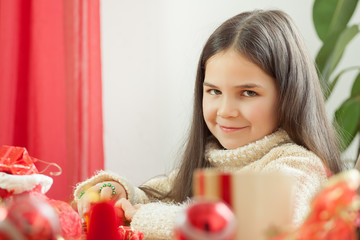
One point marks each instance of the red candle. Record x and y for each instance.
(103, 222)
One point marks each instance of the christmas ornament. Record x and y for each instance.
(334, 211)
(25, 216)
(19, 177)
(206, 220)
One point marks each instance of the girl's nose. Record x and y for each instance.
(227, 108)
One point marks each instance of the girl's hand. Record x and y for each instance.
(128, 208)
(100, 193)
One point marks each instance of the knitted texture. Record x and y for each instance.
(274, 153)
(240, 157)
(157, 220)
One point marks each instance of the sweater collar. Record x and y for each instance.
(242, 156)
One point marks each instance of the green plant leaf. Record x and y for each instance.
(324, 54)
(336, 79)
(355, 90)
(332, 16)
(347, 116)
(335, 55)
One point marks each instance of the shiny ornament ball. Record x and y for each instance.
(206, 220)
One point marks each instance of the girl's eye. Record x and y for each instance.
(248, 93)
(214, 92)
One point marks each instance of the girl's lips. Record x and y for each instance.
(230, 129)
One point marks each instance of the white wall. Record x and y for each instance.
(150, 50)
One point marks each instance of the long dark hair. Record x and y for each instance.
(270, 40)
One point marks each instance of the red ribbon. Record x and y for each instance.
(16, 161)
(225, 183)
(223, 188)
(201, 182)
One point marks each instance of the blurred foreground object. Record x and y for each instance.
(106, 222)
(28, 217)
(206, 220)
(22, 192)
(261, 202)
(334, 211)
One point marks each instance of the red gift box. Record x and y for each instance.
(214, 185)
(270, 194)
(16, 161)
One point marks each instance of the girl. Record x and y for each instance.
(258, 107)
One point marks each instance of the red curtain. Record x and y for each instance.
(50, 85)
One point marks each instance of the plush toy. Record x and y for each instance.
(22, 193)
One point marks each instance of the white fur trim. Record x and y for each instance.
(23, 183)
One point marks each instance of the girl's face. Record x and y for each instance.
(240, 100)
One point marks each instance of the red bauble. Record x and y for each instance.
(29, 217)
(206, 220)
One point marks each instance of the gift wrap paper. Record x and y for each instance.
(16, 161)
(262, 202)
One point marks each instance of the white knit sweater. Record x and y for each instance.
(275, 152)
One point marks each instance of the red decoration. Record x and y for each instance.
(70, 221)
(5, 193)
(127, 233)
(334, 211)
(223, 188)
(103, 223)
(16, 161)
(28, 217)
(32, 205)
(206, 220)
